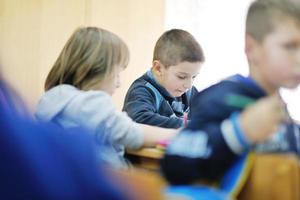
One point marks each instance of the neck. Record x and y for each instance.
(264, 84)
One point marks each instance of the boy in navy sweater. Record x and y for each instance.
(161, 97)
(242, 113)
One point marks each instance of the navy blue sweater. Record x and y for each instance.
(207, 148)
(147, 102)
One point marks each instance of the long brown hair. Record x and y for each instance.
(89, 55)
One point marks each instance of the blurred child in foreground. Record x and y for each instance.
(241, 114)
(40, 161)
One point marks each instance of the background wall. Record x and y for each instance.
(33, 32)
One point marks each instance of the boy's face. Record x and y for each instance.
(176, 79)
(276, 60)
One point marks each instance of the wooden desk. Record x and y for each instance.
(273, 176)
(146, 158)
(142, 184)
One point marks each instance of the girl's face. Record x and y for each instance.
(111, 82)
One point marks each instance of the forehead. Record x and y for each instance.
(285, 30)
(190, 68)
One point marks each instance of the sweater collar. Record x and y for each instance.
(250, 82)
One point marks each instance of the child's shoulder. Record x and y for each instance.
(224, 95)
(140, 82)
(218, 90)
(144, 85)
(235, 84)
(191, 92)
(231, 94)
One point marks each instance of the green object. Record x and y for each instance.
(239, 101)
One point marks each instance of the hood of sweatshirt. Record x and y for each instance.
(55, 101)
(69, 106)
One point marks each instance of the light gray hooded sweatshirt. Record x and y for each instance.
(69, 107)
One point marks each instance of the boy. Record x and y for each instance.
(162, 95)
(240, 112)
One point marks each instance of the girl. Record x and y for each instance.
(79, 88)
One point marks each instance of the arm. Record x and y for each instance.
(198, 151)
(152, 134)
(95, 111)
(140, 105)
(214, 146)
(200, 154)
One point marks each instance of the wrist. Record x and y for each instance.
(239, 130)
(234, 135)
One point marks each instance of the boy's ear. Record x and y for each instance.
(157, 67)
(251, 47)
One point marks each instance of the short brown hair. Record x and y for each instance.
(175, 46)
(89, 55)
(263, 15)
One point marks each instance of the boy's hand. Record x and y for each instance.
(261, 119)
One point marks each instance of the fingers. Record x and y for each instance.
(282, 108)
(262, 118)
(277, 107)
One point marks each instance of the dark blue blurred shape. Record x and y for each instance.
(40, 161)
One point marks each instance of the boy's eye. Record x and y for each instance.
(291, 46)
(181, 77)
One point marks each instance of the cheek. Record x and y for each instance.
(179, 85)
(277, 61)
(284, 67)
(171, 86)
(175, 82)
(279, 71)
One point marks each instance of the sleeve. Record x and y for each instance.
(192, 93)
(96, 112)
(140, 105)
(292, 137)
(213, 146)
(297, 136)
